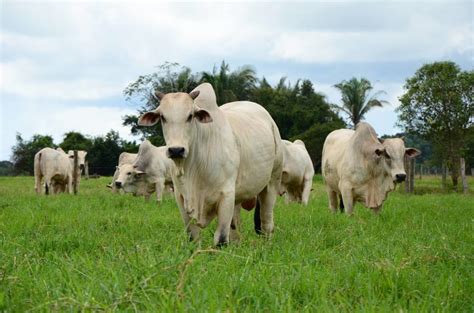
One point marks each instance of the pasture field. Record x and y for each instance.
(99, 251)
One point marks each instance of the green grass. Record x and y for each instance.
(99, 251)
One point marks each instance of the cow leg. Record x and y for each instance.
(267, 199)
(192, 229)
(235, 225)
(38, 178)
(332, 195)
(69, 184)
(159, 187)
(307, 184)
(225, 213)
(348, 200)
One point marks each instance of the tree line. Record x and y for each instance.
(436, 113)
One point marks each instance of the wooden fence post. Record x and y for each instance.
(74, 173)
(444, 169)
(463, 175)
(86, 169)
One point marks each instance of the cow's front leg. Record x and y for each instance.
(347, 199)
(307, 184)
(159, 187)
(192, 229)
(225, 213)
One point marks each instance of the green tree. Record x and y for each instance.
(356, 99)
(438, 105)
(24, 152)
(231, 86)
(170, 77)
(104, 153)
(75, 141)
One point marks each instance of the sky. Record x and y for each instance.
(64, 64)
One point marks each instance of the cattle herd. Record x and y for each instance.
(219, 159)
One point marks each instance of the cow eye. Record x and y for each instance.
(129, 173)
(190, 117)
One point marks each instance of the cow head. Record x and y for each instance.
(81, 158)
(129, 178)
(394, 155)
(179, 115)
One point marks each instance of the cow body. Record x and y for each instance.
(224, 156)
(56, 167)
(356, 166)
(298, 172)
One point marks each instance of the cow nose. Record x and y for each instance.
(118, 184)
(400, 177)
(81, 167)
(176, 152)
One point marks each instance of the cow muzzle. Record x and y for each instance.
(176, 152)
(118, 184)
(400, 178)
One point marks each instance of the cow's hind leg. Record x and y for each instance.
(266, 199)
(307, 184)
(235, 225)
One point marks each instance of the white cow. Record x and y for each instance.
(225, 156)
(150, 172)
(124, 158)
(56, 167)
(298, 172)
(358, 167)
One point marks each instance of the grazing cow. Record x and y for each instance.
(57, 169)
(358, 167)
(224, 156)
(151, 171)
(298, 172)
(124, 158)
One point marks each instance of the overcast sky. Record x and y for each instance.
(64, 64)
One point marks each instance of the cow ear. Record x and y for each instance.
(194, 94)
(149, 118)
(379, 152)
(412, 152)
(139, 174)
(202, 116)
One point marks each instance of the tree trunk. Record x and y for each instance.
(463, 175)
(421, 171)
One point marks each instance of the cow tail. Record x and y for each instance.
(256, 218)
(341, 204)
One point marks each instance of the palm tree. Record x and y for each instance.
(231, 86)
(356, 101)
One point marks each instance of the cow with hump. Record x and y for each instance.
(225, 156)
(298, 172)
(357, 166)
(56, 167)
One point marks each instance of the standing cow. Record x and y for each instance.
(298, 172)
(56, 167)
(358, 167)
(224, 156)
